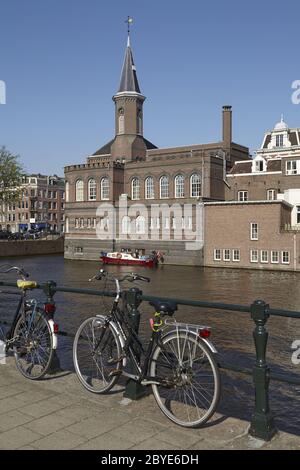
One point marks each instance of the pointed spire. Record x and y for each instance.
(129, 81)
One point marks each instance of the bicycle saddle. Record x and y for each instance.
(167, 307)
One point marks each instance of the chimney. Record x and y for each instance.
(227, 126)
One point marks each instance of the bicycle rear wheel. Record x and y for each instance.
(96, 355)
(190, 389)
(33, 346)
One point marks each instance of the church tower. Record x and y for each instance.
(129, 142)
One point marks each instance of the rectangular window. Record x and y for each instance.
(174, 223)
(76, 223)
(235, 255)
(88, 223)
(259, 165)
(271, 194)
(78, 249)
(81, 223)
(182, 222)
(217, 254)
(167, 223)
(264, 256)
(285, 257)
(279, 140)
(94, 223)
(190, 223)
(253, 231)
(151, 223)
(298, 214)
(243, 196)
(157, 223)
(226, 255)
(291, 167)
(274, 257)
(54, 194)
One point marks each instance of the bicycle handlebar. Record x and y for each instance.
(20, 271)
(128, 277)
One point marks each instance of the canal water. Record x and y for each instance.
(231, 331)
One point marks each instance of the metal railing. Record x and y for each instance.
(262, 423)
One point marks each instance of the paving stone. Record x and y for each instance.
(138, 430)
(62, 440)
(49, 424)
(11, 403)
(107, 441)
(17, 437)
(80, 411)
(178, 436)
(12, 419)
(101, 424)
(42, 408)
(223, 431)
(151, 444)
(9, 390)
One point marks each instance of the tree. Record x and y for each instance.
(11, 172)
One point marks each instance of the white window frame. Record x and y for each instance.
(272, 257)
(195, 185)
(242, 195)
(271, 192)
(179, 186)
(104, 188)
(224, 253)
(282, 256)
(92, 189)
(149, 188)
(279, 140)
(261, 256)
(79, 191)
(219, 252)
(164, 187)
(253, 259)
(251, 231)
(135, 189)
(291, 170)
(234, 257)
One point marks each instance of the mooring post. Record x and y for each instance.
(134, 390)
(262, 423)
(49, 289)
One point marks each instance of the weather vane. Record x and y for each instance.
(129, 21)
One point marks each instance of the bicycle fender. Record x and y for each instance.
(206, 341)
(102, 318)
(54, 335)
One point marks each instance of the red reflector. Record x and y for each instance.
(204, 333)
(49, 308)
(55, 328)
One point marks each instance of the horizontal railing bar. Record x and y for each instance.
(149, 298)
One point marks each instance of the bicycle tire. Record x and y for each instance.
(33, 349)
(178, 398)
(92, 368)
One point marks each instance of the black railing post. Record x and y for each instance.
(134, 390)
(262, 423)
(49, 289)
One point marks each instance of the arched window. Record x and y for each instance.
(121, 121)
(179, 186)
(140, 225)
(126, 228)
(92, 190)
(135, 188)
(104, 186)
(195, 185)
(164, 187)
(149, 188)
(79, 191)
(140, 122)
(67, 191)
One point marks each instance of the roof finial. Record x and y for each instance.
(128, 21)
(282, 120)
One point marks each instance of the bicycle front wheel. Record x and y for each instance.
(33, 344)
(97, 355)
(189, 377)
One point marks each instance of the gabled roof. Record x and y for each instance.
(129, 81)
(106, 149)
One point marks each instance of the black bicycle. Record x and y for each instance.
(32, 333)
(179, 361)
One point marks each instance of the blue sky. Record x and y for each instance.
(61, 62)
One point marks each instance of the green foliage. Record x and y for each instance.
(11, 172)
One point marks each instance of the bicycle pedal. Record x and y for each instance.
(115, 360)
(115, 373)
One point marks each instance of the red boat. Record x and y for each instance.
(127, 259)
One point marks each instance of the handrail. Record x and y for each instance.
(262, 424)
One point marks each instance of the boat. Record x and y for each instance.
(129, 259)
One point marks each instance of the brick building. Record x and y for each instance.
(131, 166)
(41, 205)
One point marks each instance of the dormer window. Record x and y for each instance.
(259, 165)
(279, 140)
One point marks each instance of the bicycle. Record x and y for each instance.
(179, 360)
(32, 335)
